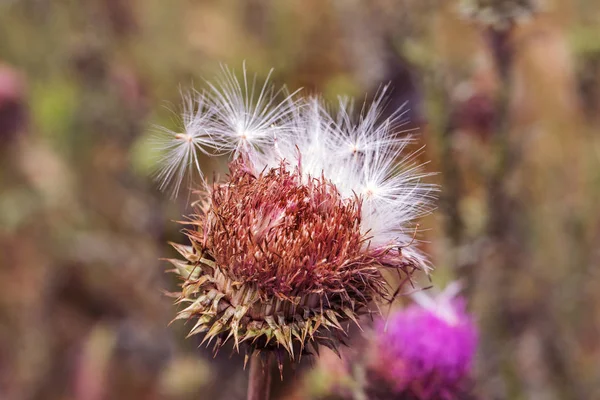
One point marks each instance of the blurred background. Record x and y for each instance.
(510, 117)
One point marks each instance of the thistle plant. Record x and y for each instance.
(425, 351)
(292, 245)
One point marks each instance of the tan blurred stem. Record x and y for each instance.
(501, 210)
(259, 382)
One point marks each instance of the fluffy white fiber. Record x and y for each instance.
(364, 155)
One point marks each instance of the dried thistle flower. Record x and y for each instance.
(425, 351)
(500, 14)
(292, 245)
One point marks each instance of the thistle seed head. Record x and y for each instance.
(292, 245)
(273, 259)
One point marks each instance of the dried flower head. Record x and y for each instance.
(426, 350)
(292, 245)
(500, 14)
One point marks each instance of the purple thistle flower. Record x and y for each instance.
(427, 349)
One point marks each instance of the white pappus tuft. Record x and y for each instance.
(248, 116)
(363, 157)
(442, 305)
(179, 150)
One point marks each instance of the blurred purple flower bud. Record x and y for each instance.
(427, 349)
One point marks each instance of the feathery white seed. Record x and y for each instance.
(179, 150)
(363, 157)
(248, 116)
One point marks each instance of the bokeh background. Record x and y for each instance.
(510, 121)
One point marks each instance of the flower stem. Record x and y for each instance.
(259, 382)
